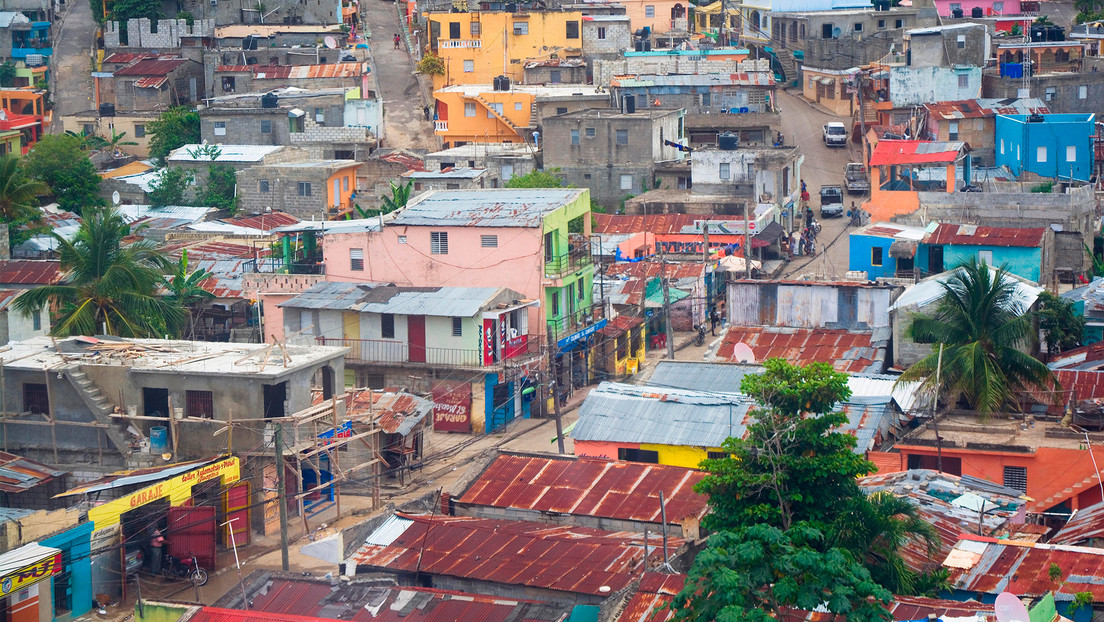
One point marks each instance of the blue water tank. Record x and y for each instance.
(159, 439)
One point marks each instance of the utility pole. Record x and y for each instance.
(666, 303)
(281, 492)
(747, 242)
(705, 259)
(552, 352)
(935, 416)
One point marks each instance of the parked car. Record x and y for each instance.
(857, 179)
(835, 134)
(831, 201)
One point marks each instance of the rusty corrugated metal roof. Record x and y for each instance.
(568, 559)
(979, 108)
(1086, 524)
(648, 603)
(590, 487)
(991, 566)
(889, 152)
(265, 222)
(28, 272)
(658, 224)
(974, 235)
(847, 351)
(151, 82)
(620, 325)
(18, 474)
(160, 66)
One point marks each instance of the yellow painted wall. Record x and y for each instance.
(352, 324)
(34, 527)
(680, 455)
(346, 179)
(480, 128)
(547, 34)
(637, 11)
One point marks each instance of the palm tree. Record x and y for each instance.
(185, 291)
(17, 196)
(876, 528)
(116, 141)
(107, 286)
(88, 141)
(981, 325)
(400, 195)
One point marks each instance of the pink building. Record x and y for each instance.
(989, 8)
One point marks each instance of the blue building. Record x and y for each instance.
(1088, 302)
(883, 249)
(1059, 146)
(72, 587)
(1018, 250)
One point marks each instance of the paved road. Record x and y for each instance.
(404, 121)
(802, 123)
(71, 90)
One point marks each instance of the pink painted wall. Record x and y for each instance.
(517, 263)
(273, 315)
(601, 449)
(1011, 7)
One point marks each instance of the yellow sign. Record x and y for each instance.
(178, 489)
(24, 577)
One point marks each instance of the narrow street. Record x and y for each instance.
(802, 123)
(70, 62)
(404, 122)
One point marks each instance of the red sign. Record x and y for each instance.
(452, 403)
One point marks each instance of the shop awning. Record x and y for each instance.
(768, 235)
(28, 565)
(494, 313)
(902, 249)
(137, 476)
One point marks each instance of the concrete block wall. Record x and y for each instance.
(169, 31)
(313, 132)
(618, 38)
(605, 70)
(1073, 210)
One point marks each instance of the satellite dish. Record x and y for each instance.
(115, 197)
(742, 353)
(836, 32)
(330, 42)
(1009, 608)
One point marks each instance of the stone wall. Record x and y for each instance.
(141, 32)
(1074, 210)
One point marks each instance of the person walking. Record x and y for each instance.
(397, 40)
(425, 111)
(157, 543)
(714, 319)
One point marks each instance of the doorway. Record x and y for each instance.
(155, 402)
(935, 259)
(274, 397)
(415, 334)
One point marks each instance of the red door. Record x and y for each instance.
(237, 514)
(193, 532)
(415, 335)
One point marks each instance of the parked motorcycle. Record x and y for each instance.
(186, 568)
(700, 339)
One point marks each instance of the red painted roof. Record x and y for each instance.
(305, 600)
(568, 559)
(847, 351)
(265, 222)
(280, 72)
(974, 235)
(656, 591)
(127, 57)
(914, 152)
(1023, 569)
(972, 109)
(1085, 385)
(620, 325)
(588, 486)
(658, 224)
(28, 272)
(161, 66)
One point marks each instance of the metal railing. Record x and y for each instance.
(459, 43)
(440, 126)
(567, 262)
(573, 322)
(403, 353)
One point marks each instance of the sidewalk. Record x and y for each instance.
(404, 122)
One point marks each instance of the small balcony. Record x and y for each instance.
(399, 353)
(576, 259)
(451, 44)
(440, 126)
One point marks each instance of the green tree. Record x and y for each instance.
(548, 178)
(875, 528)
(116, 140)
(7, 74)
(756, 573)
(981, 325)
(221, 188)
(176, 127)
(791, 466)
(400, 195)
(1062, 327)
(60, 161)
(19, 201)
(87, 141)
(107, 286)
(431, 65)
(185, 290)
(171, 187)
(123, 10)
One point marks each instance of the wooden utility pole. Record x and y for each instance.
(666, 304)
(281, 494)
(747, 242)
(553, 350)
(705, 259)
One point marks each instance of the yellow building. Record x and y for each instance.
(479, 46)
(476, 113)
(661, 16)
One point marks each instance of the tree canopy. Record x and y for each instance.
(548, 178)
(19, 210)
(60, 161)
(176, 127)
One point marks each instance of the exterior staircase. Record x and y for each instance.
(788, 63)
(498, 115)
(101, 408)
(1067, 493)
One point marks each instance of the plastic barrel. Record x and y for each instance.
(159, 439)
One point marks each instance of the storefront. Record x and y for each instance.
(25, 574)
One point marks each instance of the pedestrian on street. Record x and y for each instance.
(714, 319)
(396, 40)
(157, 542)
(425, 111)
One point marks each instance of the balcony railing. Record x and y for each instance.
(446, 44)
(573, 322)
(571, 261)
(440, 126)
(384, 351)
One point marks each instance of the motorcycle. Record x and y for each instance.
(815, 227)
(700, 339)
(186, 568)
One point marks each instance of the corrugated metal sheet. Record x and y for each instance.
(624, 413)
(7, 296)
(396, 412)
(19, 474)
(931, 289)
(332, 295)
(648, 603)
(229, 153)
(807, 305)
(973, 235)
(1023, 569)
(134, 476)
(150, 82)
(383, 298)
(28, 272)
(657, 223)
(265, 222)
(979, 108)
(449, 173)
(757, 78)
(846, 351)
(389, 531)
(1086, 524)
(619, 326)
(485, 208)
(590, 487)
(889, 152)
(568, 559)
(161, 66)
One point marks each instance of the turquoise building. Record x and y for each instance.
(1058, 146)
(1020, 251)
(72, 587)
(1088, 302)
(884, 249)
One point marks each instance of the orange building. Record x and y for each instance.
(896, 174)
(477, 113)
(23, 111)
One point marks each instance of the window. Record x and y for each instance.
(555, 76)
(1071, 153)
(724, 170)
(1082, 92)
(387, 326)
(469, 109)
(454, 30)
(626, 182)
(475, 28)
(998, 7)
(469, 66)
(438, 242)
(858, 27)
(961, 41)
(228, 84)
(521, 28)
(1041, 154)
(262, 186)
(751, 170)
(876, 256)
(36, 321)
(881, 24)
(963, 81)
(952, 130)
(555, 304)
(36, 399)
(507, 172)
(1051, 94)
(827, 31)
(900, 23)
(572, 29)
(345, 184)
(956, 6)
(649, 11)
(304, 188)
(561, 110)
(488, 241)
(985, 257)
(517, 105)
(320, 116)
(590, 132)
(622, 347)
(356, 259)
(574, 137)
(638, 455)
(402, 239)
(1016, 477)
(140, 130)
(200, 404)
(220, 128)
(457, 327)
(622, 137)
(266, 127)
(717, 455)
(601, 32)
